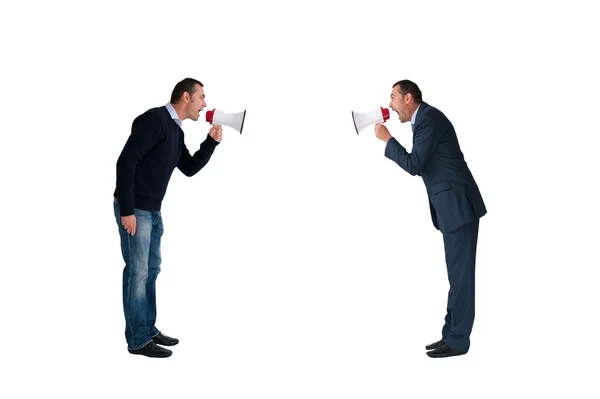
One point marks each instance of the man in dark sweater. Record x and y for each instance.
(153, 150)
(455, 203)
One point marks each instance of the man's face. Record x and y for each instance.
(400, 103)
(195, 103)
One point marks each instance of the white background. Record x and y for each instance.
(300, 262)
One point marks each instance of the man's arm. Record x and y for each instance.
(190, 165)
(426, 140)
(145, 133)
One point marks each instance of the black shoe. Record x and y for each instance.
(436, 345)
(444, 351)
(164, 340)
(151, 350)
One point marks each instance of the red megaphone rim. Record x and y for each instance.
(385, 112)
(210, 115)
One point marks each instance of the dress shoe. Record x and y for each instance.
(151, 350)
(444, 351)
(164, 340)
(436, 345)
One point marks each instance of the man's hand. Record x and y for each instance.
(216, 132)
(382, 132)
(129, 223)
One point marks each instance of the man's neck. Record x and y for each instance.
(413, 108)
(179, 109)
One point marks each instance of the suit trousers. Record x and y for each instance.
(460, 246)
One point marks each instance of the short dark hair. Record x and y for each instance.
(186, 85)
(406, 86)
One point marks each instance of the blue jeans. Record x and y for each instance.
(141, 253)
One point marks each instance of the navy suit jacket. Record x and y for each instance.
(454, 198)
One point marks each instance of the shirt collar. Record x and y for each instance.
(173, 113)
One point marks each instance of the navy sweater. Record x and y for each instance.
(155, 147)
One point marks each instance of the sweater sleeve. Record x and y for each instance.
(145, 133)
(190, 165)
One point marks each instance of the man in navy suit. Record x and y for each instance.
(454, 201)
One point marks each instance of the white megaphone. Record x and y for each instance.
(236, 121)
(362, 120)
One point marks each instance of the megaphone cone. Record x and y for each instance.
(236, 121)
(362, 120)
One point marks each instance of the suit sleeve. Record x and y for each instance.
(145, 133)
(190, 165)
(425, 143)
